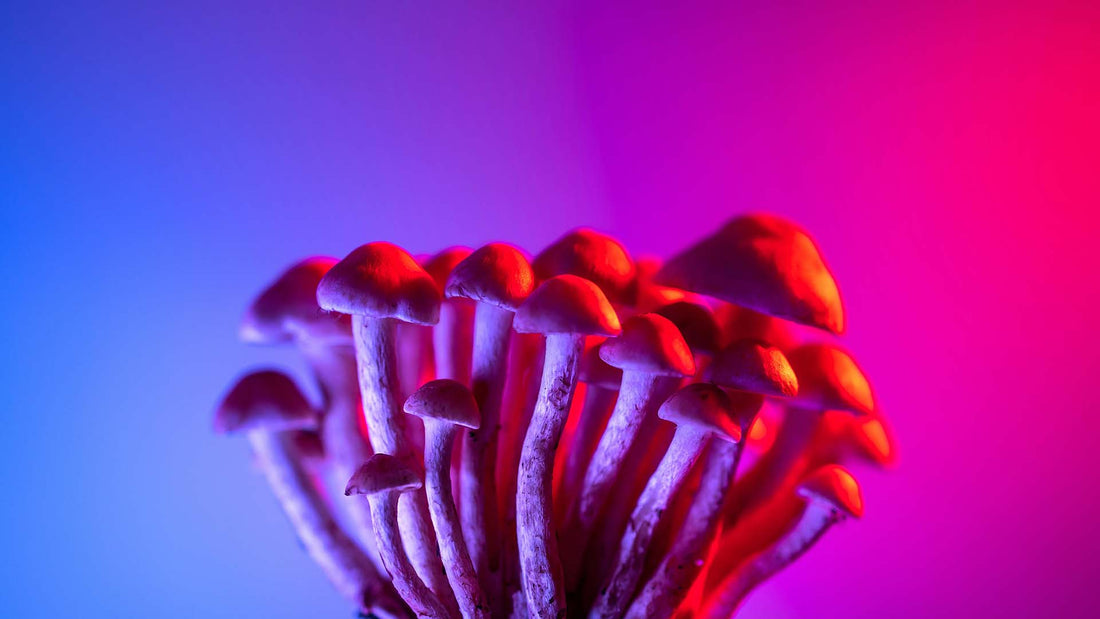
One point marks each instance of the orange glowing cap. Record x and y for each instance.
(592, 255)
(265, 400)
(833, 484)
(497, 274)
(749, 365)
(707, 407)
(441, 264)
(380, 280)
(446, 400)
(696, 323)
(650, 344)
(829, 379)
(567, 304)
(382, 473)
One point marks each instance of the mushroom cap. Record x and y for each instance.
(497, 274)
(567, 304)
(380, 280)
(265, 400)
(592, 255)
(650, 344)
(829, 379)
(288, 308)
(737, 323)
(833, 484)
(382, 473)
(596, 371)
(750, 365)
(443, 263)
(763, 262)
(873, 440)
(447, 400)
(696, 323)
(708, 407)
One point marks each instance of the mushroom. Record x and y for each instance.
(270, 409)
(383, 479)
(497, 277)
(287, 311)
(747, 366)
(828, 496)
(699, 327)
(596, 257)
(452, 337)
(378, 284)
(564, 308)
(765, 263)
(445, 406)
(653, 357)
(700, 411)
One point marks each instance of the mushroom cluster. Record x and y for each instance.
(499, 436)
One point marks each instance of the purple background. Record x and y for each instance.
(159, 164)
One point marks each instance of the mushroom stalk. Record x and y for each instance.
(479, 511)
(685, 449)
(341, 559)
(536, 537)
(598, 404)
(813, 521)
(374, 350)
(452, 340)
(679, 568)
(439, 443)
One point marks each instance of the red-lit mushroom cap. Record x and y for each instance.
(382, 473)
(443, 263)
(829, 379)
(596, 371)
(749, 365)
(738, 323)
(874, 440)
(380, 280)
(834, 485)
(651, 344)
(696, 323)
(709, 408)
(497, 274)
(446, 400)
(594, 256)
(265, 400)
(288, 308)
(567, 304)
(763, 262)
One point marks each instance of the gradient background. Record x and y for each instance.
(159, 164)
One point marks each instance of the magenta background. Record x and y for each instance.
(158, 164)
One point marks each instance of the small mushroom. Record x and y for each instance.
(270, 409)
(497, 278)
(653, 357)
(596, 257)
(383, 480)
(698, 324)
(452, 336)
(829, 495)
(765, 263)
(565, 308)
(446, 406)
(378, 284)
(700, 411)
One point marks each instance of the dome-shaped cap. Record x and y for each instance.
(651, 344)
(380, 280)
(265, 400)
(709, 408)
(443, 263)
(594, 256)
(497, 274)
(696, 323)
(382, 473)
(829, 379)
(833, 484)
(447, 400)
(288, 308)
(749, 365)
(595, 371)
(567, 304)
(763, 262)
(874, 440)
(738, 323)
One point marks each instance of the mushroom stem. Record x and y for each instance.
(639, 393)
(686, 447)
(439, 443)
(452, 340)
(374, 350)
(672, 580)
(492, 331)
(341, 559)
(537, 540)
(811, 523)
(598, 404)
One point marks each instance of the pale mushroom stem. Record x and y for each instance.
(671, 582)
(813, 522)
(637, 395)
(341, 559)
(384, 511)
(439, 442)
(479, 510)
(536, 537)
(776, 468)
(345, 445)
(685, 449)
(598, 404)
(452, 340)
(374, 349)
